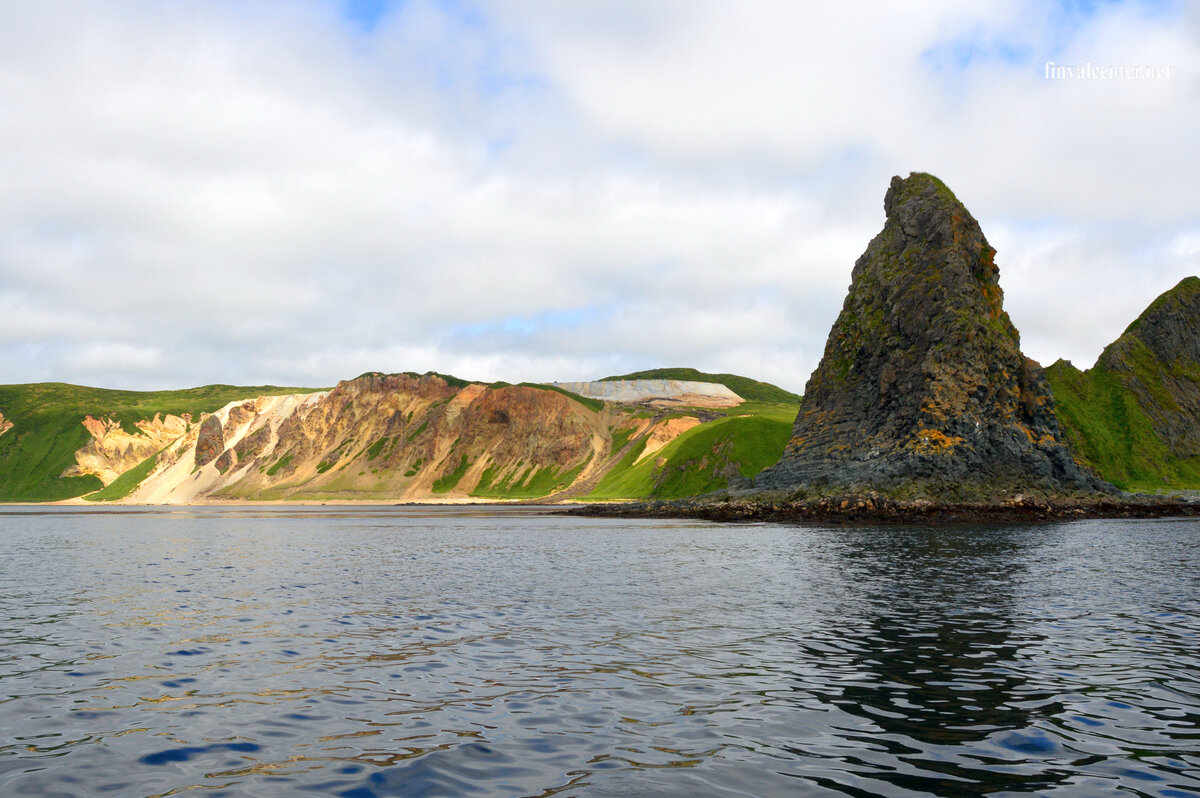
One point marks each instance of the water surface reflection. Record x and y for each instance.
(416, 651)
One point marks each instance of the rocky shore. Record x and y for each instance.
(876, 509)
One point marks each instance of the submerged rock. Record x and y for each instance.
(923, 389)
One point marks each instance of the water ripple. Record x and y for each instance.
(401, 651)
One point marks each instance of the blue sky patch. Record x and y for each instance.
(523, 326)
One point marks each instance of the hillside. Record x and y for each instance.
(1135, 415)
(48, 428)
(377, 437)
(725, 453)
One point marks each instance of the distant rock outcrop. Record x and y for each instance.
(677, 392)
(923, 389)
(210, 442)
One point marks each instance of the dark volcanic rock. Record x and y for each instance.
(871, 508)
(209, 441)
(923, 389)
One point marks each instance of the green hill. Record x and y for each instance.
(1134, 417)
(723, 453)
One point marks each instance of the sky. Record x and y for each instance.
(297, 192)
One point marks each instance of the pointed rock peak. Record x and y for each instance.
(1169, 328)
(917, 187)
(923, 383)
(1184, 297)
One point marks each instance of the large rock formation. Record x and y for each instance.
(923, 389)
(210, 442)
(1135, 415)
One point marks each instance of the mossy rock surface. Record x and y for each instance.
(923, 386)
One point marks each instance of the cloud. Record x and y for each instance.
(215, 192)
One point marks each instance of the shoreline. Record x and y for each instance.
(837, 510)
(876, 510)
(249, 503)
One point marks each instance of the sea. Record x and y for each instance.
(515, 651)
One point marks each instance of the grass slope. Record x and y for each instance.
(125, 484)
(748, 389)
(530, 483)
(47, 428)
(1109, 431)
(704, 458)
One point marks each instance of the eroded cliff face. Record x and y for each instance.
(923, 389)
(112, 451)
(386, 437)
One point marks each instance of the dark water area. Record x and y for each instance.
(454, 651)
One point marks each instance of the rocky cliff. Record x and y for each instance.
(403, 437)
(112, 450)
(1135, 415)
(923, 389)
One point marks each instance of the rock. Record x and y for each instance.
(111, 451)
(210, 442)
(225, 461)
(253, 444)
(923, 389)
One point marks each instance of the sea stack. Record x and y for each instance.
(923, 391)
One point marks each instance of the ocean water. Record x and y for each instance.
(516, 652)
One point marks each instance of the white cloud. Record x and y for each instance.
(217, 192)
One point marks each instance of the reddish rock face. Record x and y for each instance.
(923, 387)
(210, 442)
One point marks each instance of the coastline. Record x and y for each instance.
(464, 501)
(844, 509)
(872, 510)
